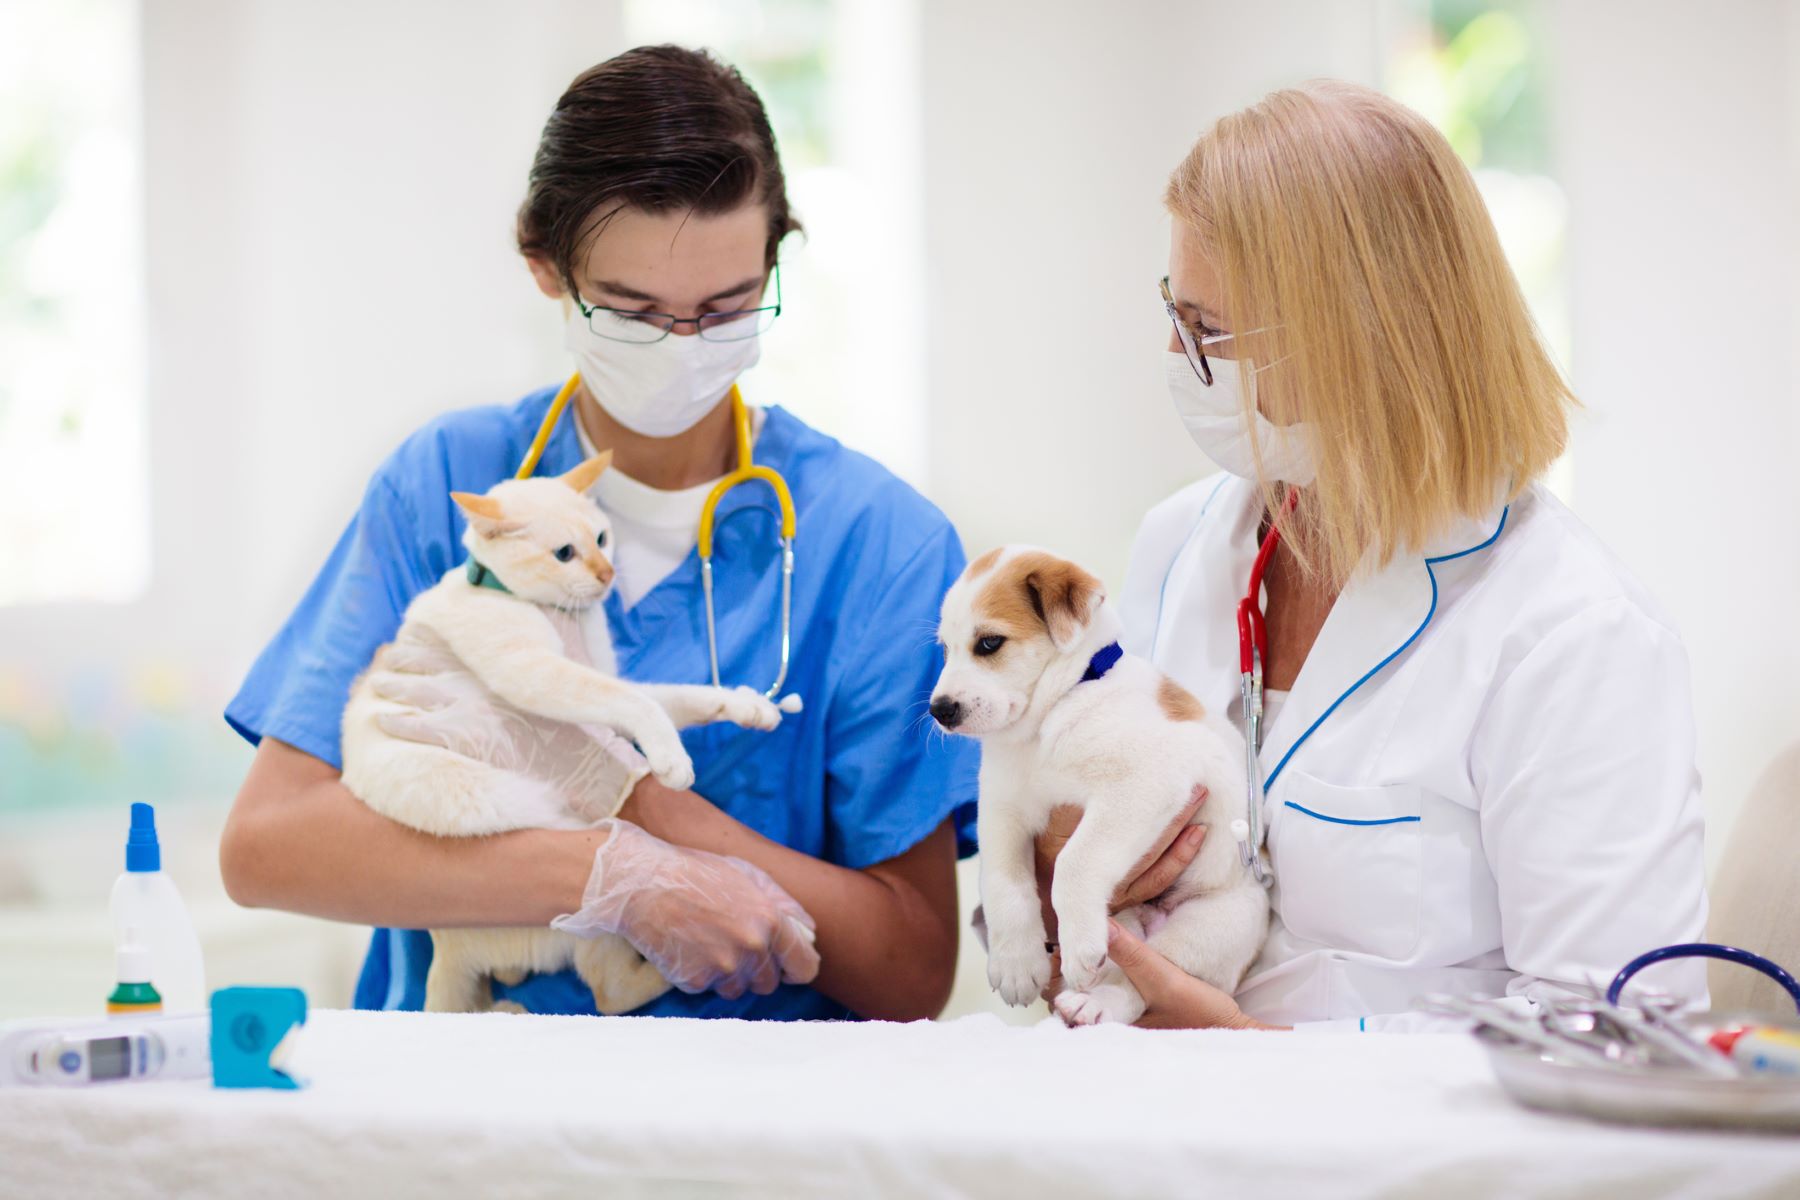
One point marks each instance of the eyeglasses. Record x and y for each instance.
(628, 325)
(1192, 341)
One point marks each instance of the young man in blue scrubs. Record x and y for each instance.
(654, 214)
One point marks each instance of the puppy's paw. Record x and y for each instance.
(1083, 954)
(509, 1006)
(1106, 1004)
(751, 709)
(1020, 972)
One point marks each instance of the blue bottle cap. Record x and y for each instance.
(142, 851)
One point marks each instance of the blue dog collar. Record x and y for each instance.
(1103, 661)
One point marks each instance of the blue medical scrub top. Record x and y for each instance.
(855, 779)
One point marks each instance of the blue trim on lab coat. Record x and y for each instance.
(1401, 649)
(1350, 820)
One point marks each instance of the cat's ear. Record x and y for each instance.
(582, 477)
(485, 514)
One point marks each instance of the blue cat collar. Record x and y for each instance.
(481, 576)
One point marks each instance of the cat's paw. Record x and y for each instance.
(670, 763)
(1083, 946)
(1019, 972)
(1106, 1004)
(750, 708)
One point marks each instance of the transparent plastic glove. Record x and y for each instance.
(592, 767)
(707, 922)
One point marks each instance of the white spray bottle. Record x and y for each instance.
(144, 900)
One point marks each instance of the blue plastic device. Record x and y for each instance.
(247, 1024)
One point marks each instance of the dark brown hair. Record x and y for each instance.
(659, 128)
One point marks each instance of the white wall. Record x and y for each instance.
(1680, 141)
(372, 158)
(1050, 130)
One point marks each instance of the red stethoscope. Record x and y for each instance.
(1253, 650)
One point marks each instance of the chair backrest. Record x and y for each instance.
(1756, 891)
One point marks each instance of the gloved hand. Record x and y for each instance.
(592, 767)
(707, 922)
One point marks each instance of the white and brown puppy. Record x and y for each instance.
(1033, 669)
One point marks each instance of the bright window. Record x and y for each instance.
(1479, 71)
(73, 480)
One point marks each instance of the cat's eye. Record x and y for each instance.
(601, 540)
(565, 553)
(988, 645)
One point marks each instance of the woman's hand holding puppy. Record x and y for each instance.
(1176, 999)
(1152, 875)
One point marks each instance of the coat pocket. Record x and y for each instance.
(1349, 864)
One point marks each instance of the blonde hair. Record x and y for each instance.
(1354, 245)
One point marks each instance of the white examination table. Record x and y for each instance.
(433, 1106)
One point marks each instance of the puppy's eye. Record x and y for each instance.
(601, 540)
(988, 645)
(565, 553)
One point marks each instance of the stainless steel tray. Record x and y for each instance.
(1538, 1079)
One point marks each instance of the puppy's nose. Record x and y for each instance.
(947, 712)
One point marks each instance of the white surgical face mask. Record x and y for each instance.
(657, 389)
(1214, 417)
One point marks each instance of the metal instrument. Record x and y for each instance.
(1644, 1062)
(1253, 650)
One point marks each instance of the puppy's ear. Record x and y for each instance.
(1064, 597)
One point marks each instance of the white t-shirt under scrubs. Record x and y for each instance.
(653, 529)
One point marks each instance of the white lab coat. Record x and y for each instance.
(1483, 781)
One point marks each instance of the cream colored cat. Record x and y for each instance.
(508, 629)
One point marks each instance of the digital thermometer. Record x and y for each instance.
(122, 1050)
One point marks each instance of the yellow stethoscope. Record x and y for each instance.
(746, 472)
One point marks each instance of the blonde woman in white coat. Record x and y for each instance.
(1478, 748)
